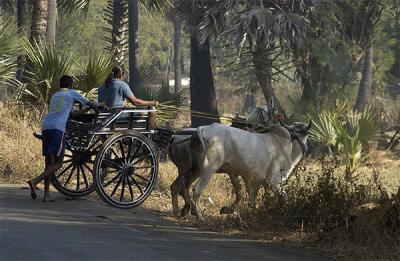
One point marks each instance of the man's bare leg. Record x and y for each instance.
(55, 164)
(46, 197)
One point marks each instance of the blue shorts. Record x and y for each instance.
(53, 142)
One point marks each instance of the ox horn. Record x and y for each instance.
(309, 125)
(285, 125)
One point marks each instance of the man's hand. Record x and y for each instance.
(97, 106)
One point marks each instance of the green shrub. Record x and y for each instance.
(45, 67)
(343, 132)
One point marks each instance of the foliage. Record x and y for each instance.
(96, 72)
(82, 35)
(46, 66)
(298, 107)
(339, 130)
(325, 129)
(10, 47)
(169, 102)
(321, 201)
(73, 6)
(263, 25)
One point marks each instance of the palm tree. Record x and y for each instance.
(39, 19)
(202, 90)
(358, 21)
(51, 22)
(66, 7)
(116, 14)
(133, 13)
(21, 18)
(173, 16)
(270, 29)
(177, 54)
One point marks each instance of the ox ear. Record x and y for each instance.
(271, 102)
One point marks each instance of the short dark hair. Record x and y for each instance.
(66, 81)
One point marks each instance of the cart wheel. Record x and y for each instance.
(75, 178)
(126, 170)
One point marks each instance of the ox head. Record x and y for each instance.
(265, 114)
(299, 131)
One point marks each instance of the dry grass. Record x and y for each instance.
(20, 152)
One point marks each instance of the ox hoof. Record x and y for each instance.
(226, 210)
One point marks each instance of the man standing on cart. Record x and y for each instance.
(114, 91)
(53, 131)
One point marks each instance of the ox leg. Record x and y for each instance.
(175, 190)
(205, 177)
(188, 181)
(238, 193)
(252, 187)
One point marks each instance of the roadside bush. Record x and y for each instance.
(321, 202)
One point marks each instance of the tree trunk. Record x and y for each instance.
(51, 22)
(177, 54)
(168, 65)
(202, 90)
(39, 20)
(120, 12)
(261, 65)
(21, 17)
(366, 80)
(395, 70)
(133, 45)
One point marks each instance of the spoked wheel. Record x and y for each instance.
(126, 170)
(75, 178)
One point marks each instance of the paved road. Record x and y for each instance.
(86, 230)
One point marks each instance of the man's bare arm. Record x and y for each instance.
(138, 102)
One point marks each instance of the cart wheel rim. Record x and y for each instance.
(126, 170)
(75, 178)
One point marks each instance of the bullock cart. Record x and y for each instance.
(113, 153)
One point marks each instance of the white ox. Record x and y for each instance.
(180, 154)
(268, 157)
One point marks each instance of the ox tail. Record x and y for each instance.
(198, 138)
(197, 149)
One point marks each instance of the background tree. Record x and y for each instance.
(51, 22)
(204, 107)
(21, 18)
(39, 19)
(270, 28)
(116, 15)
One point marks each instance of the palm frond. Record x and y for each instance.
(10, 48)
(169, 102)
(264, 26)
(368, 125)
(325, 128)
(7, 5)
(298, 107)
(73, 6)
(96, 72)
(45, 68)
(156, 5)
